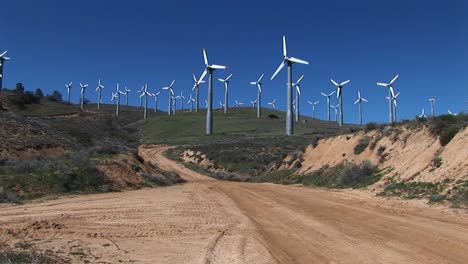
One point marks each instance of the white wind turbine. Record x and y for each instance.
(328, 103)
(221, 105)
(141, 91)
(253, 103)
(272, 103)
(197, 92)
(156, 96)
(313, 107)
(395, 105)
(336, 111)
(298, 94)
(145, 94)
(258, 83)
(339, 95)
(210, 68)
(114, 96)
(99, 90)
(238, 104)
(171, 95)
(360, 100)
(2, 61)
(226, 87)
(69, 86)
(83, 89)
(126, 95)
(422, 115)
(118, 93)
(391, 94)
(190, 101)
(432, 100)
(288, 61)
(181, 98)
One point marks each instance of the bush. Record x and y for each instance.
(362, 145)
(273, 116)
(370, 126)
(435, 198)
(353, 175)
(381, 150)
(56, 96)
(39, 93)
(437, 162)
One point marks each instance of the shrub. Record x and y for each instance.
(370, 126)
(435, 198)
(362, 145)
(273, 116)
(353, 175)
(39, 93)
(56, 96)
(381, 150)
(437, 162)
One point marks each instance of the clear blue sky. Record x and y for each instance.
(53, 42)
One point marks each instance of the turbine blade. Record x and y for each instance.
(194, 78)
(229, 77)
(394, 79)
(335, 83)
(356, 101)
(259, 88)
(332, 93)
(217, 67)
(278, 69)
(324, 94)
(309, 102)
(203, 74)
(364, 100)
(253, 83)
(260, 78)
(298, 89)
(285, 50)
(345, 82)
(300, 79)
(205, 58)
(296, 60)
(172, 83)
(383, 84)
(221, 80)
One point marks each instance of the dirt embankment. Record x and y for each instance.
(407, 154)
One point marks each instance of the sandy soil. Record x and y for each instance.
(209, 221)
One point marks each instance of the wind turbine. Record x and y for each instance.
(454, 114)
(360, 100)
(336, 111)
(238, 103)
(181, 98)
(339, 95)
(288, 61)
(83, 89)
(272, 103)
(69, 86)
(253, 103)
(391, 94)
(221, 105)
(190, 101)
(141, 91)
(197, 93)
(259, 94)
(210, 68)
(2, 61)
(118, 93)
(328, 103)
(313, 107)
(99, 89)
(171, 94)
(114, 96)
(145, 93)
(174, 105)
(432, 100)
(126, 95)
(422, 115)
(298, 94)
(395, 106)
(226, 87)
(155, 95)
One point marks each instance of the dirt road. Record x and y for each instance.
(209, 221)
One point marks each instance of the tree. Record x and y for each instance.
(19, 88)
(39, 93)
(56, 96)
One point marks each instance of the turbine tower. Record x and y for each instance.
(181, 97)
(360, 100)
(328, 103)
(197, 92)
(2, 61)
(272, 103)
(99, 90)
(339, 95)
(118, 93)
(313, 107)
(422, 115)
(259, 95)
(145, 94)
(83, 89)
(210, 68)
(126, 95)
(171, 94)
(298, 94)
(69, 86)
(432, 100)
(395, 105)
(226, 87)
(391, 94)
(288, 61)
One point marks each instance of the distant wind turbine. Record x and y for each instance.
(171, 95)
(313, 107)
(196, 85)
(126, 95)
(190, 101)
(339, 95)
(83, 89)
(328, 103)
(360, 100)
(2, 61)
(272, 103)
(118, 93)
(336, 111)
(454, 114)
(258, 83)
(141, 91)
(209, 69)
(155, 95)
(69, 86)
(432, 100)
(298, 94)
(288, 61)
(422, 115)
(181, 98)
(99, 90)
(253, 103)
(391, 94)
(226, 87)
(238, 104)
(145, 94)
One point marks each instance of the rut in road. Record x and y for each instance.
(304, 225)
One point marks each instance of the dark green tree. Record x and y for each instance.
(56, 96)
(39, 93)
(19, 88)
